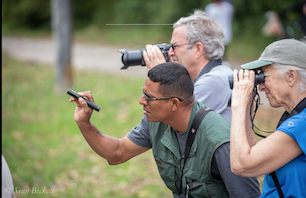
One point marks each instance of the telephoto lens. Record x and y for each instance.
(133, 58)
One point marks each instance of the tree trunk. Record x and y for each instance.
(62, 34)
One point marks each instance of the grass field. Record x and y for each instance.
(45, 150)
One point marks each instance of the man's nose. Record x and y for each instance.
(143, 100)
(170, 52)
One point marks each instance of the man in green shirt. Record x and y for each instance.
(169, 106)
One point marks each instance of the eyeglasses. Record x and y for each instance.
(174, 45)
(166, 98)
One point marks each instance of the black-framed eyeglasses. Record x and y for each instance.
(174, 45)
(165, 98)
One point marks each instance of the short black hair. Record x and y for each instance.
(174, 79)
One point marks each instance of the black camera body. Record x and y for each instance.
(133, 58)
(259, 78)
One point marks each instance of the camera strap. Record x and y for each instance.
(211, 64)
(298, 109)
(191, 135)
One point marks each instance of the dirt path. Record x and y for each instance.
(84, 56)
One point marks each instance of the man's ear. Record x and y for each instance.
(175, 104)
(291, 77)
(199, 50)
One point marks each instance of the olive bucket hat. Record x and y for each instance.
(286, 51)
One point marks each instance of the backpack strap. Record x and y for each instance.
(191, 135)
(194, 128)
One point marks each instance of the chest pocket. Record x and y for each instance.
(169, 173)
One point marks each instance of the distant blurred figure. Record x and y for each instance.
(273, 27)
(7, 181)
(222, 11)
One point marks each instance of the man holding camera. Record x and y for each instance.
(197, 43)
(170, 108)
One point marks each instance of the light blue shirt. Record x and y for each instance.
(213, 90)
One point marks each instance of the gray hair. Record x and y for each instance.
(283, 69)
(201, 28)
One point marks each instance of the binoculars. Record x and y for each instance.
(259, 78)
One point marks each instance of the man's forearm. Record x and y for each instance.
(104, 145)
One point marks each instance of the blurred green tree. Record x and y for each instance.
(33, 14)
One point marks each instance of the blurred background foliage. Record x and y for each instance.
(249, 15)
(91, 20)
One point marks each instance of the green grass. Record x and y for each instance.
(44, 147)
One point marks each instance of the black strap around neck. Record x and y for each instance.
(191, 135)
(211, 64)
(298, 109)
